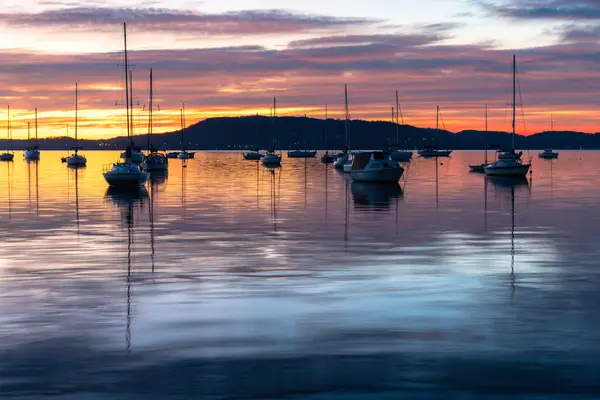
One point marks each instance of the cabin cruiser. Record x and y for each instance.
(301, 154)
(375, 167)
(548, 154)
(508, 164)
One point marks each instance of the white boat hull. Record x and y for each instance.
(401, 156)
(126, 178)
(340, 162)
(31, 154)
(377, 175)
(76, 160)
(520, 170)
(7, 157)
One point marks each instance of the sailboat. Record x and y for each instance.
(76, 159)
(255, 153)
(327, 158)
(432, 151)
(127, 173)
(132, 153)
(343, 158)
(32, 153)
(183, 155)
(154, 160)
(271, 159)
(509, 163)
(9, 155)
(548, 154)
(480, 167)
(396, 154)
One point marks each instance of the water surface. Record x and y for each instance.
(228, 280)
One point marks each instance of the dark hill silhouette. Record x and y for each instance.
(237, 133)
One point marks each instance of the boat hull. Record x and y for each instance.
(520, 170)
(126, 179)
(76, 161)
(328, 159)
(548, 156)
(477, 167)
(301, 154)
(7, 157)
(271, 159)
(253, 156)
(386, 175)
(31, 154)
(435, 153)
(401, 156)
(173, 154)
(153, 163)
(184, 155)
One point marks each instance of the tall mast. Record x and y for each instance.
(274, 117)
(76, 111)
(8, 134)
(150, 116)
(28, 132)
(326, 133)
(181, 123)
(346, 116)
(126, 72)
(131, 108)
(551, 122)
(36, 127)
(397, 124)
(437, 117)
(514, 108)
(486, 134)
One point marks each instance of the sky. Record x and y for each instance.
(231, 58)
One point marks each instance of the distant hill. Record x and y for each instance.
(237, 133)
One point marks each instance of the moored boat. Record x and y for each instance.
(375, 167)
(548, 154)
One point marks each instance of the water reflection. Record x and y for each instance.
(374, 195)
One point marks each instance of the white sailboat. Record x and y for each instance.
(271, 159)
(510, 164)
(433, 151)
(344, 157)
(76, 159)
(254, 154)
(549, 154)
(481, 167)
(155, 160)
(183, 155)
(32, 153)
(8, 155)
(127, 173)
(396, 154)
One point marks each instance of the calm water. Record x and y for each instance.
(228, 280)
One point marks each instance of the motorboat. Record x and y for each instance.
(375, 167)
(271, 159)
(301, 154)
(548, 154)
(156, 161)
(125, 175)
(429, 151)
(253, 155)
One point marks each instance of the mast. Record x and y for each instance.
(181, 124)
(8, 134)
(514, 102)
(126, 80)
(36, 128)
(28, 132)
(397, 125)
(346, 116)
(326, 133)
(437, 117)
(131, 108)
(150, 116)
(486, 134)
(274, 117)
(551, 122)
(76, 111)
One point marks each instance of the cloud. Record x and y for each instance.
(582, 10)
(162, 19)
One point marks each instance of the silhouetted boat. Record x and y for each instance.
(76, 159)
(271, 159)
(183, 154)
(481, 167)
(302, 153)
(9, 155)
(32, 153)
(343, 157)
(548, 154)
(433, 151)
(155, 160)
(395, 153)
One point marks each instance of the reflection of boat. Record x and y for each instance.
(32, 152)
(396, 154)
(158, 177)
(548, 154)
(76, 159)
(369, 193)
(508, 181)
(375, 167)
(121, 196)
(155, 160)
(302, 154)
(510, 164)
(9, 155)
